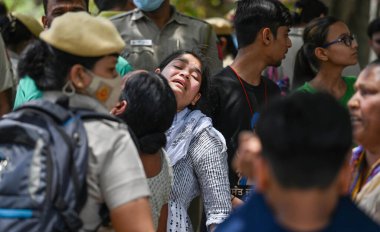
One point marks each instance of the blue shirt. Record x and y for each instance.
(255, 215)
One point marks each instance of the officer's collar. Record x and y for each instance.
(176, 16)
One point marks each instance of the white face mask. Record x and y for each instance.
(106, 91)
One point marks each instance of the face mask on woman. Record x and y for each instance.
(106, 91)
(148, 5)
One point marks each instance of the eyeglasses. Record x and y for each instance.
(346, 39)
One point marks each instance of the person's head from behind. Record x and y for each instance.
(119, 5)
(327, 41)
(55, 8)
(364, 107)
(373, 32)
(265, 23)
(148, 107)
(307, 10)
(18, 30)
(81, 61)
(187, 75)
(306, 139)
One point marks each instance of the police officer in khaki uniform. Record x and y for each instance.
(155, 30)
(88, 54)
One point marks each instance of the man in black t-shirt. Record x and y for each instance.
(239, 90)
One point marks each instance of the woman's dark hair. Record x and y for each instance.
(13, 31)
(150, 111)
(307, 64)
(48, 66)
(307, 10)
(204, 69)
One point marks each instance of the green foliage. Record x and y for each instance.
(32, 7)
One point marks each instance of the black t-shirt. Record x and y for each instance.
(229, 109)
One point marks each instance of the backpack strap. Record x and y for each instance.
(88, 115)
(57, 112)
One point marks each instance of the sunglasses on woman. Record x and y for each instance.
(346, 39)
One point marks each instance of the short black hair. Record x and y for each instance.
(204, 69)
(307, 64)
(305, 138)
(48, 66)
(45, 3)
(151, 107)
(110, 4)
(373, 27)
(253, 15)
(307, 10)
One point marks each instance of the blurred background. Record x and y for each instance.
(356, 13)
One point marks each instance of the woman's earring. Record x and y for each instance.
(68, 89)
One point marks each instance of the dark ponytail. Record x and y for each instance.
(49, 67)
(314, 36)
(151, 143)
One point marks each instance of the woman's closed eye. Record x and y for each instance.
(366, 92)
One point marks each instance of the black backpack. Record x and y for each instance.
(43, 166)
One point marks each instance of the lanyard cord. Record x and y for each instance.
(246, 94)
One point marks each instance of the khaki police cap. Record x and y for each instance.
(221, 26)
(80, 34)
(29, 22)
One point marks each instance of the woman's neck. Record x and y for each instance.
(151, 163)
(331, 82)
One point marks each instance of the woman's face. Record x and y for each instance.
(364, 108)
(184, 76)
(338, 52)
(101, 82)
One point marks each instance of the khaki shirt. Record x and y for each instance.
(115, 175)
(147, 45)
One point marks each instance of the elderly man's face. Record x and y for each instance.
(57, 8)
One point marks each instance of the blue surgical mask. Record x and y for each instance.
(148, 5)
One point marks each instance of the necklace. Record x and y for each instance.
(246, 94)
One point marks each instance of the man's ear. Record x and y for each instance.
(267, 36)
(158, 71)
(78, 77)
(321, 54)
(44, 21)
(119, 108)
